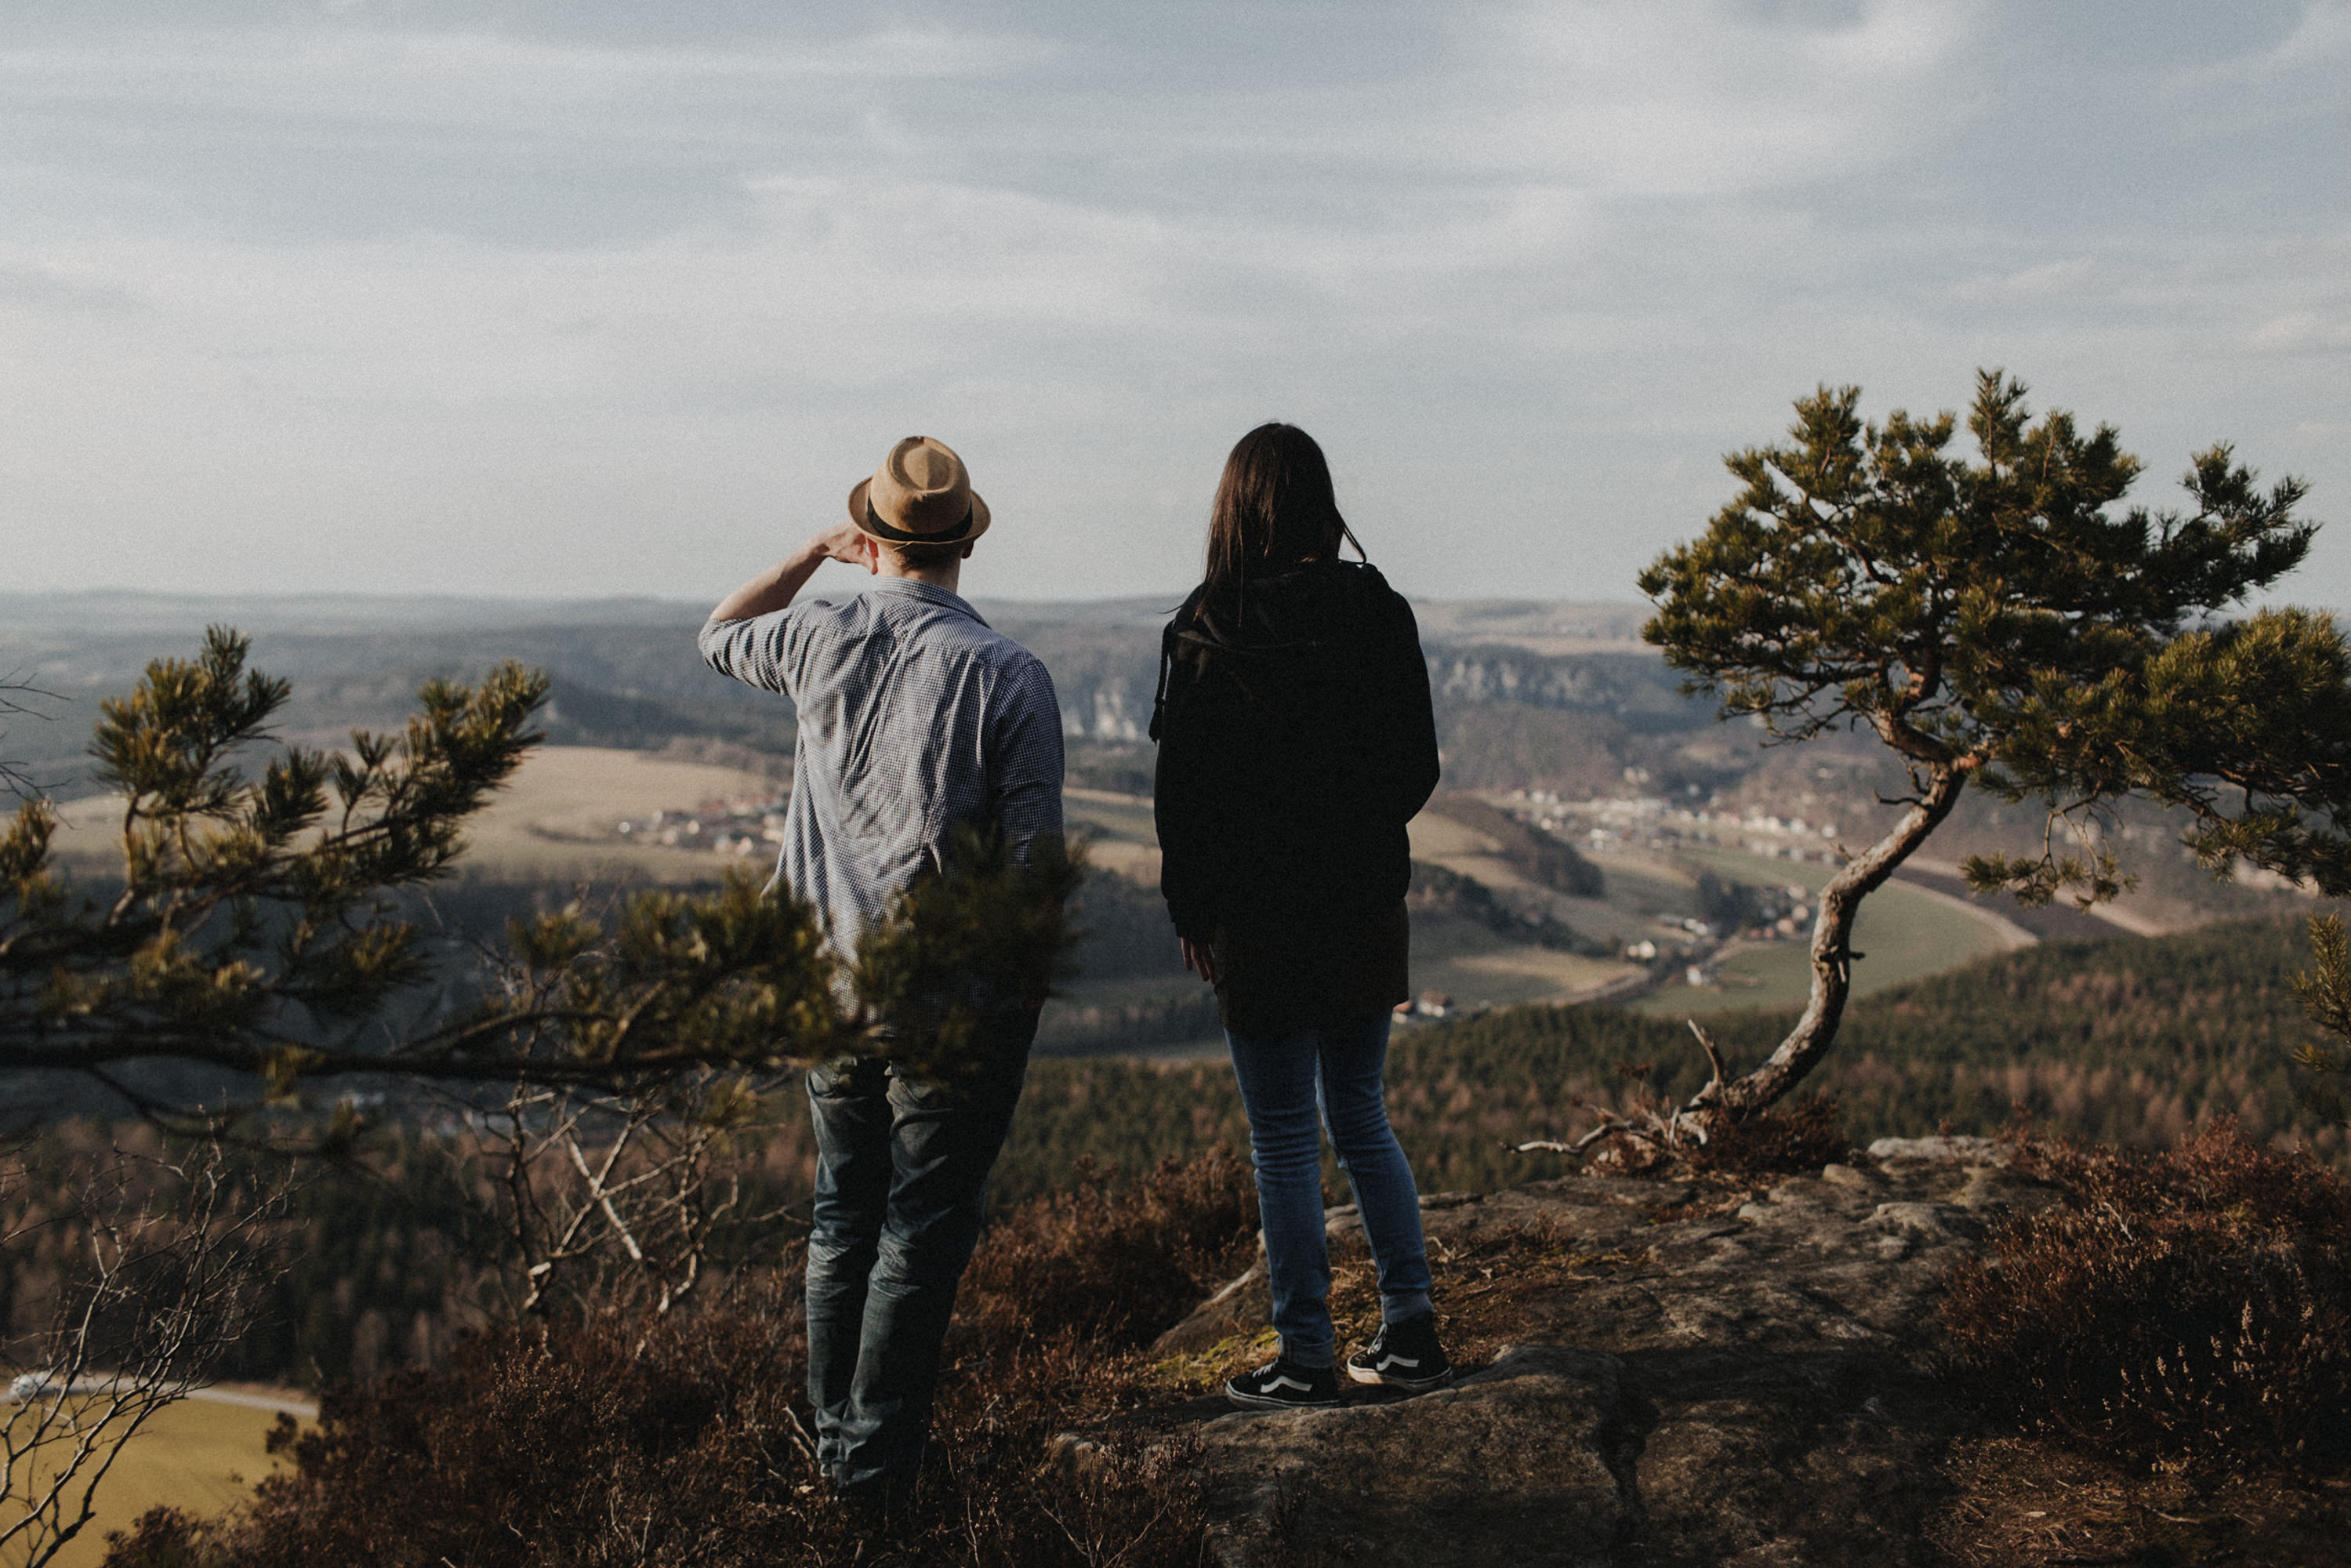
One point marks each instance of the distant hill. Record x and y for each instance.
(1547, 696)
(1556, 697)
(632, 679)
(2128, 1040)
(627, 674)
(109, 611)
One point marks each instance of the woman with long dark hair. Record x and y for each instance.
(1295, 742)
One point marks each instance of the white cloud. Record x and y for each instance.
(456, 76)
(2304, 332)
(2322, 38)
(505, 312)
(2072, 278)
(1684, 97)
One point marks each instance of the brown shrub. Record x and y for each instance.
(163, 1538)
(1113, 1264)
(1805, 1136)
(2192, 1307)
(683, 1439)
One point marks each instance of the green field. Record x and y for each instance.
(198, 1455)
(1640, 892)
(1473, 966)
(1906, 934)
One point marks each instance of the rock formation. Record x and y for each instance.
(1656, 1372)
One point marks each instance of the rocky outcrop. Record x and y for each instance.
(1663, 1374)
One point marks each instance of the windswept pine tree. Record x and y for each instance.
(2002, 621)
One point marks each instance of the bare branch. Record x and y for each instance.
(175, 1258)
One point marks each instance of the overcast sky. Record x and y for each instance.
(598, 296)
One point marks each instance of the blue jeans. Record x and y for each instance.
(900, 1189)
(1283, 1083)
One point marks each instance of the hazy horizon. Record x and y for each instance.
(591, 299)
(818, 586)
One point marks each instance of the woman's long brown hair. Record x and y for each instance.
(1275, 509)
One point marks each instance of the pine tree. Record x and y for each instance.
(257, 929)
(2000, 620)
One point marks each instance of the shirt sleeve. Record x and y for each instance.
(757, 652)
(1025, 741)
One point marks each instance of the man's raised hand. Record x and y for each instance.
(843, 542)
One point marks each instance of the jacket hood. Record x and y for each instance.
(1262, 633)
(1273, 616)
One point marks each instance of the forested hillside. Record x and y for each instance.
(2130, 1041)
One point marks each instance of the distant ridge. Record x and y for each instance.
(1134, 611)
(1571, 624)
(1543, 625)
(108, 613)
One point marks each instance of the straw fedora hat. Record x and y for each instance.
(921, 494)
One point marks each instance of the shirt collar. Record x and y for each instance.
(928, 592)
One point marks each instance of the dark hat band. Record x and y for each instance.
(883, 530)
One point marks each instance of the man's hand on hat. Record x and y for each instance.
(844, 543)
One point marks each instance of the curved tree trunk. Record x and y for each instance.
(1740, 1098)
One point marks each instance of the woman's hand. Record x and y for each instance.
(1200, 959)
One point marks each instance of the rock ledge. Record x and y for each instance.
(1664, 1374)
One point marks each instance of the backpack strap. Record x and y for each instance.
(1167, 640)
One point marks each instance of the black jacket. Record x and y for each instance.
(1295, 742)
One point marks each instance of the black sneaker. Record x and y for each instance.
(1404, 1356)
(1285, 1385)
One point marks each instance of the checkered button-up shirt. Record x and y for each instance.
(915, 718)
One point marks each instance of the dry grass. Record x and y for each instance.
(1116, 1265)
(196, 1455)
(2023, 1503)
(2188, 1312)
(1809, 1134)
(684, 1440)
(556, 820)
(553, 822)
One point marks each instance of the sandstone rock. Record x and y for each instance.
(1686, 1386)
(1513, 1464)
(1926, 1221)
(1242, 1307)
(1943, 1150)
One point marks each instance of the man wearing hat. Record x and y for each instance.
(915, 719)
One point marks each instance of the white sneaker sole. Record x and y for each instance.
(1262, 1402)
(1409, 1385)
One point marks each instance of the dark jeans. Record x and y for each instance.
(1285, 1083)
(900, 1186)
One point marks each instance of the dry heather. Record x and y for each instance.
(1805, 1136)
(2159, 1359)
(2190, 1310)
(678, 1441)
